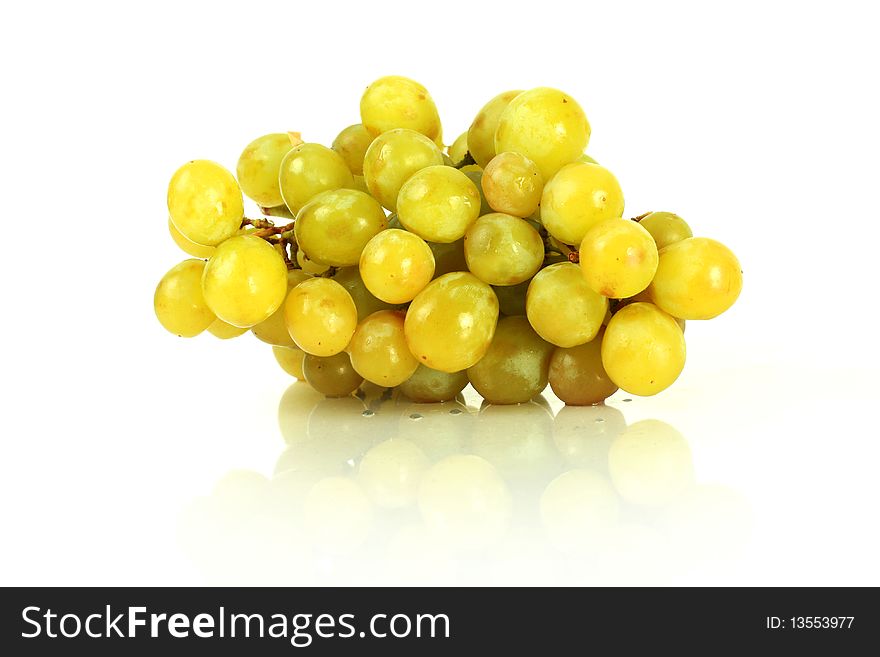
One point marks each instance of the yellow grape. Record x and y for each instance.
(352, 144)
(697, 278)
(459, 148)
(320, 316)
(450, 324)
(547, 126)
(245, 280)
(396, 265)
(516, 365)
(577, 375)
(503, 250)
(274, 329)
(332, 376)
(309, 169)
(643, 350)
(179, 303)
(666, 228)
(291, 360)
(577, 198)
(379, 352)
(618, 258)
(427, 386)
(481, 135)
(562, 308)
(438, 203)
(512, 184)
(205, 202)
(225, 331)
(187, 245)
(398, 102)
(364, 301)
(259, 165)
(308, 265)
(448, 257)
(392, 158)
(334, 227)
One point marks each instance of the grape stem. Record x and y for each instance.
(641, 216)
(283, 235)
(467, 159)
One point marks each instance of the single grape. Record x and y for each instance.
(481, 135)
(291, 360)
(697, 278)
(259, 165)
(188, 246)
(448, 257)
(438, 203)
(427, 386)
(245, 281)
(562, 308)
(577, 198)
(392, 158)
(364, 301)
(516, 365)
(321, 316)
(450, 324)
(309, 169)
(396, 265)
(308, 265)
(274, 329)
(666, 228)
(179, 303)
(205, 202)
(643, 349)
(618, 258)
(398, 102)
(503, 250)
(225, 331)
(577, 375)
(547, 126)
(352, 144)
(334, 227)
(512, 298)
(512, 184)
(332, 376)
(379, 352)
(459, 148)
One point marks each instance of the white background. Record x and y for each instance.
(758, 123)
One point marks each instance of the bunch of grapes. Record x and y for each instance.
(504, 262)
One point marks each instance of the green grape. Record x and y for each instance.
(577, 375)
(334, 227)
(291, 360)
(450, 324)
(562, 308)
(438, 203)
(481, 135)
(398, 102)
(476, 177)
(427, 386)
(666, 228)
(643, 349)
(205, 202)
(459, 148)
(188, 246)
(512, 184)
(577, 198)
(618, 258)
(259, 166)
(503, 250)
(332, 376)
(586, 158)
(179, 303)
(379, 352)
(391, 472)
(396, 265)
(697, 278)
(547, 126)
(516, 365)
(274, 329)
(321, 316)
(308, 265)
(352, 144)
(245, 281)
(392, 158)
(309, 169)
(364, 301)
(448, 257)
(223, 330)
(512, 298)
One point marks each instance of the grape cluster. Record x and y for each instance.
(504, 262)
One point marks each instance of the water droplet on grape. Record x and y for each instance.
(368, 413)
(415, 416)
(455, 411)
(627, 399)
(599, 419)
